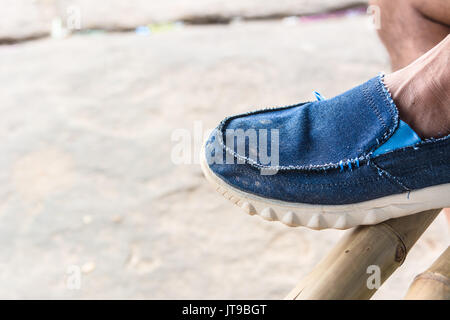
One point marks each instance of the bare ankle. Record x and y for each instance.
(421, 92)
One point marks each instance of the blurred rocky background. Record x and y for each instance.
(92, 204)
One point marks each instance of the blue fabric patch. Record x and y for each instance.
(404, 136)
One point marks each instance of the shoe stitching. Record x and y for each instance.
(373, 106)
(331, 165)
(386, 94)
(319, 167)
(361, 160)
(431, 144)
(382, 171)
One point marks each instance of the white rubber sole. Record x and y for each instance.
(332, 216)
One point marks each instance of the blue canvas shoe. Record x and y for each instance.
(333, 163)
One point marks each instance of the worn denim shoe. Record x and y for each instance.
(333, 163)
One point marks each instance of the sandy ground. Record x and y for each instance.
(88, 182)
(31, 18)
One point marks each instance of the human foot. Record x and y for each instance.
(421, 92)
(328, 166)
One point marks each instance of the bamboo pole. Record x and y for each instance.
(345, 272)
(433, 284)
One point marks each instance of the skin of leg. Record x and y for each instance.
(434, 10)
(441, 12)
(413, 32)
(421, 91)
(409, 28)
(414, 96)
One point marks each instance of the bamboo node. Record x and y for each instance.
(400, 252)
